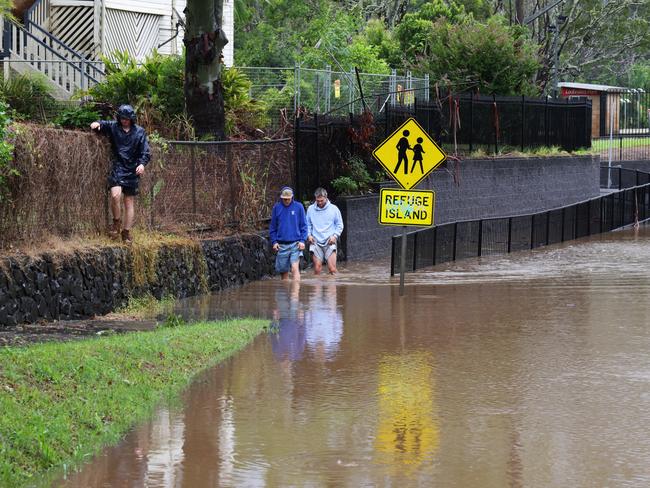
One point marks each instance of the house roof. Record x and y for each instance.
(589, 86)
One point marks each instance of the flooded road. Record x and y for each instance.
(525, 370)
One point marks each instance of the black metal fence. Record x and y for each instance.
(461, 123)
(629, 202)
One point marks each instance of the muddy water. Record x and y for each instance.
(527, 370)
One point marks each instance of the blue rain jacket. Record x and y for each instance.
(130, 149)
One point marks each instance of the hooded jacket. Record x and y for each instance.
(288, 223)
(130, 149)
(323, 223)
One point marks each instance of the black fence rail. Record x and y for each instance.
(623, 147)
(461, 123)
(628, 202)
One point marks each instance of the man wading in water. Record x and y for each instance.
(130, 156)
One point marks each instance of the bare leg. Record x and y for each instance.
(129, 211)
(285, 276)
(295, 270)
(331, 263)
(318, 264)
(116, 203)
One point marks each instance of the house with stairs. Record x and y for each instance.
(65, 39)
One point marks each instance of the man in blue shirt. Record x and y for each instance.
(130, 156)
(288, 232)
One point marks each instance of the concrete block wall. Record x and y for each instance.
(486, 188)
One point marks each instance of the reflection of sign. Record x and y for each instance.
(406, 207)
(408, 431)
(409, 154)
(337, 88)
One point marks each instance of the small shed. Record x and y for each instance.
(605, 103)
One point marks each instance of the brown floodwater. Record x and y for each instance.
(525, 370)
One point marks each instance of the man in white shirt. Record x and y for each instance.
(324, 228)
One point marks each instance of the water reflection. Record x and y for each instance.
(527, 370)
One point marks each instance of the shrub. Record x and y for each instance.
(77, 117)
(6, 153)
(29, 96)
(344, 185)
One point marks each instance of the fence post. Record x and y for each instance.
(563, 223)
(316, 149)
(415, 251)
(296, 149)
(471, 122)
(351, 90)
(328, 91)
(296, 88)
(509, 234)
(480, 237)
(548, 226)
(427, 94)
(546, 134)
(453, 254)
(193, 169)
(495, 122)
(620, 147)
(523, 121)
(620, 178)
(532, 231)
(393, 87)
(435, 241)
(233, 189)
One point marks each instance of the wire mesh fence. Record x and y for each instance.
(61, 186)
(627, 203)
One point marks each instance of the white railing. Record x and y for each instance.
(69, 75)
(38, 14)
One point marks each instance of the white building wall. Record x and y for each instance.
(229, 29)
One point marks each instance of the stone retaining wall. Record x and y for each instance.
(485, 188)
(98, 281)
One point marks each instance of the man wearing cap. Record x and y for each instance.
(288, 232)
(130, 156)
(324, 228)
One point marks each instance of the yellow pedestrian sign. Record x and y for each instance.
(409, 154)
(406, 207)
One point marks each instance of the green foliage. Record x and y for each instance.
(155, 89)
(6, 154)
(29, 96)
(77, 117)
(240, 109)
(344, 185)
(355, 180)
(489, 58)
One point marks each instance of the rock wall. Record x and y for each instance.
(97, 281)
(484, 188)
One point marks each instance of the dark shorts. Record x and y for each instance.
(131, 189)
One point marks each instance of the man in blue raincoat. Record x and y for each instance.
(130, 156)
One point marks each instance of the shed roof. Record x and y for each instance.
(589, 86)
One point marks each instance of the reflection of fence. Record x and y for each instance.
(462, 124)
(629, 203)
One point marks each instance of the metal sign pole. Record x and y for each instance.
(402, 267)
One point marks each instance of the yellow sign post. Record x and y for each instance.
(409, 154)
(406, 207)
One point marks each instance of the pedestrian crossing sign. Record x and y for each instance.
(409, 154)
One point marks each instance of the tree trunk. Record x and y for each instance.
(519, 11)
(204, 40)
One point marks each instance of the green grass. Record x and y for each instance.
(602, 144)
(146, 306)
(60, 403)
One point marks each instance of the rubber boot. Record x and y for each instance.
(126, 236)
(114, 231)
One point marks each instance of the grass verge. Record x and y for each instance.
(61, 403)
